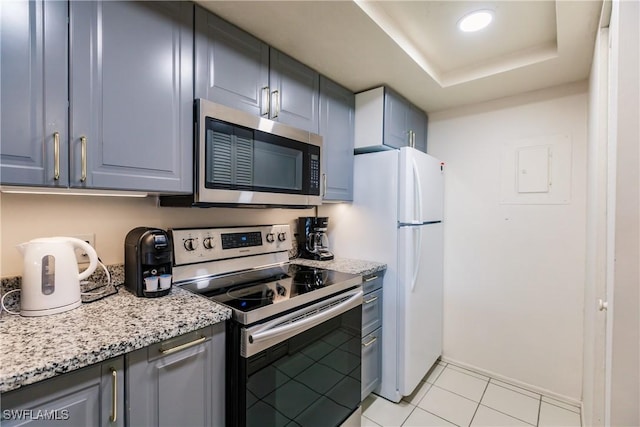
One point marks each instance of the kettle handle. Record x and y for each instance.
(91, 253)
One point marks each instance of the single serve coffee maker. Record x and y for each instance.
(313, 242)
(148, 258)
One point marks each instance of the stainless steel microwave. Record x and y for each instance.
(245, 160)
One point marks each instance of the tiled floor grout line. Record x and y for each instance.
(478, 407)
(539, 410)
(509, 415)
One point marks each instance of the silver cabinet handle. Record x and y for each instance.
(83, 157)
(412, 139)
(56, 156)
(264, 108)
(276, 95)
(371, 341)
(114, 395)
(370, 279)
(370, 300)
(183, 346)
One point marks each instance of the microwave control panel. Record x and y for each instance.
(196, 245)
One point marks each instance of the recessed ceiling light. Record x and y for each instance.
(475, 21)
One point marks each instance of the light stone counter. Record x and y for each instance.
(344, 265)
(36, 348)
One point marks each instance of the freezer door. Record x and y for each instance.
(420, 299)
(420, 187)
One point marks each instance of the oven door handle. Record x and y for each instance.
(309, 321)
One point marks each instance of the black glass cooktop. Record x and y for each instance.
(279, 289)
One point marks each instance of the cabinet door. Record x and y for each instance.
(231, 66)
(418, 125)
(337, 114)
(132, 95)
(294, 92)
(33, 93)
(371, 361)
(175, 388)
(396, 114)
(80, 398)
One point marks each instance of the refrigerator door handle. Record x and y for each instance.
(417, 255)
(417, 196)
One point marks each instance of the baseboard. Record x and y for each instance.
(540, 390)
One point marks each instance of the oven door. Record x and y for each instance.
(302, 368)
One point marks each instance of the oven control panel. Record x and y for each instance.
(193, 245)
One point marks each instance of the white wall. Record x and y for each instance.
(514, 273)
(24, 217)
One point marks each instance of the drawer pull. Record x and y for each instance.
(371, 341)
(370, 300)
(183, 346)
(370, 279)
(114, 396)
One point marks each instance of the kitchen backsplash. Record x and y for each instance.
(109, 219)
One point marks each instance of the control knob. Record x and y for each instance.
(208, 243)
(190, 244)
(271, 237)
(282, 236)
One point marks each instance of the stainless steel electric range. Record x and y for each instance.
(294, 343)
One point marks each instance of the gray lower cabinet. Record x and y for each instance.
(179, 382)
(238, 70)
(371, 333)
(337, 121)
(131, 95)
(33, 93)
(91, 396)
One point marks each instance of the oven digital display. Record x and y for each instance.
(241, 240)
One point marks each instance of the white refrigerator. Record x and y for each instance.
(396, 218)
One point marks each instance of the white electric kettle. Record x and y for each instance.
(50, 279)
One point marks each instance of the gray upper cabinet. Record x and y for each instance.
(92, 396)
(294, 92)
(33, 93)
(179, 382)
(337, 121)
(231, 66)
(238, 70)
(385, 120)
(396, 116)
(131, 95)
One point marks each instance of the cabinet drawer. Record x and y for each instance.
(371, 311)
(372, 282)
(371, 361)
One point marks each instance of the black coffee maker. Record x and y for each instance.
(148, 258)
(312, 238)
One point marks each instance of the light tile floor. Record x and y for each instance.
(450, 395)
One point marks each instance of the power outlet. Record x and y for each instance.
(81, 255)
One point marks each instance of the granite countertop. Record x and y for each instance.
(344, 265)
(37, 348)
